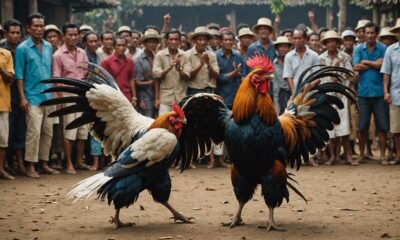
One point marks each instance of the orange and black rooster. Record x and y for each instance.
(260, 143)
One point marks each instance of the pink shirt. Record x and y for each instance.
(69, 65)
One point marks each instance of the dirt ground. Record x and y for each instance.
(344, 203)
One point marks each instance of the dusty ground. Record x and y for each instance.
(344, 203)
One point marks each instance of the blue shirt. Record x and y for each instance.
(370, 83)
(256, 47)
(227, 87)
(391, 66)
(31, 66)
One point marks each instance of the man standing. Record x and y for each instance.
(246, 38)
(367, 59)
(133, 48)
(263, 46)
(69, 61)
(203, 63)
(360, 30)
(107, 42)
(33, 64)
(6, 79)
(121, 69)
(172, 71)
(17, 123)
(391, 77)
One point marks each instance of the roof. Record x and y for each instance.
(190, 3)
(83, 5)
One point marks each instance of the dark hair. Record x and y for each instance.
(32, 16)
(173, 31)
(240, 26)
(322, 29)
(372, 25)
(183, 34)
(151, 27)
(86, 35)
(119, 38)
(68, 26)
(104, 33)
(12, 23)
(228, 33)
(300, 29)
(50, 30)
(313, 34)
(136, 32)
(286, 31)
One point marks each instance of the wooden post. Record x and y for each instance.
(33, 7)
(342, 15)
(7, 10)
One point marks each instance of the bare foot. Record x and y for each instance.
(48, 170)
(32, 174)
(6, 175)
(70, 170)
(93, 168)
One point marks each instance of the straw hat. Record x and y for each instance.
(85, 28)
(331, 34)
(361, 24)
(263, 22)
(52, 27)
(397, 26)
(385, 32)
(124, 29)
(215, 33)
(151, 33)
(348, 33)
(282, 40)
(201, 31)
(245, 32)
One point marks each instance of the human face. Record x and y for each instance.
(120, 47)
(298, 39)
(349, 42)
(127, 36)
(14, 35)
(184, 43)
(201, 43)
(135, 39)
(71, 37)
(360, 33)
(388, 40)
(282, 49)
(36, 29)
(246, 40)
(173, 41)
(397, 33)
(227, 42)
(92, 42)
(263, 32)
(331, 45)
(215, 42)
(370, 35)
(313, 43)
(151, 44)
(289, 35)
(107, 41)
(52, 37)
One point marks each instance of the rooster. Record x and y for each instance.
(261, 144)
(144, 148)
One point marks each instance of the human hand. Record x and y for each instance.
(167, 18)
(311, 16)
(387, 98)
(24, 104)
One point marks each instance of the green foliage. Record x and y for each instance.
(325, 3)
(276, 6)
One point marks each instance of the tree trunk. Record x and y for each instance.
(342, 15)
(33, 7)
(329, 14)
(7, 10)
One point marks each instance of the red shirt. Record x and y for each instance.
(122, 72)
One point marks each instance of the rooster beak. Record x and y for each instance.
(182, 120)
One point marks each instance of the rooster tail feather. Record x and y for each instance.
(296, 191)
(88, 186)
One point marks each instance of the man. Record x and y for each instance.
(340, 134)
(133, 49)
(107, 42)
(203, 63)
(145, 81)
(215, 41)
(6, 79)
(53, 35)
(17, 123)
(314, 42)
(69, 62)
(391, 87)
(288, 32)
(349, 41)
(386, 37)
(298, 59)
(33, 64)
(263, 46)
(281, 87)
(122, 69)
(360, 30)
(82, 31)
(367, 59)
(172, 71)
(125, 32)
(246, 38)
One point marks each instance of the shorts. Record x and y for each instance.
(95, 147)
(4, 129)
(343, 128)
(394, 119)
(17, 134)
(376, 106)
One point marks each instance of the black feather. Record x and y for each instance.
(62, 100)
(69, 110)
(82, 120)
(67, 89)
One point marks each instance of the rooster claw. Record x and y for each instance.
(118, 224)
(183, 219)
(235, 223)
(271, 226)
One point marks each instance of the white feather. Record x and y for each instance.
(87, 187)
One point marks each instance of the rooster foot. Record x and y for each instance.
(183, 219)
(118, 224)
(235, 223)
(271, 226)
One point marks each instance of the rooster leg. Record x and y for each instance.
(177, 216)
(271, 225)
(237, 221)
(117, 223)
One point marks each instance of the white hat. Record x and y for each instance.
(282, 40)
(361, 24)
(201, 31)
(397, 26)
(52, 27)
(263, 22)
(385, 32)
(85, 28)
(124, 29)
(151, 33)
(348, 33)
(245, 32)
(331, 34)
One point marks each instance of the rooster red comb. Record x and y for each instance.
(178, 110)
(260, 61)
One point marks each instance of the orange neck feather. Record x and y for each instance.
(248, 101)
(163, 122)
